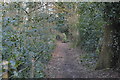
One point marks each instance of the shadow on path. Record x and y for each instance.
(65, 63)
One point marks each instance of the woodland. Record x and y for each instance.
(33, 33)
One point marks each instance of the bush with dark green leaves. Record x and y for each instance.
(90, 25)
(27, 44)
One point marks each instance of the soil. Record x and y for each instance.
(65, 63)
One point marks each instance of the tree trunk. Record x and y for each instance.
(109, 56)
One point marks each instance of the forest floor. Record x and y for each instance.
(65, 63)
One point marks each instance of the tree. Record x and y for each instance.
(26, 40)
(110, 56)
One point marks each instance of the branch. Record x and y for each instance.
(34, 9)
(25, 10)
(63, 9)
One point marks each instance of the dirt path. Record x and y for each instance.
(66, 64)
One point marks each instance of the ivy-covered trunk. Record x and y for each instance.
(110, 53)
